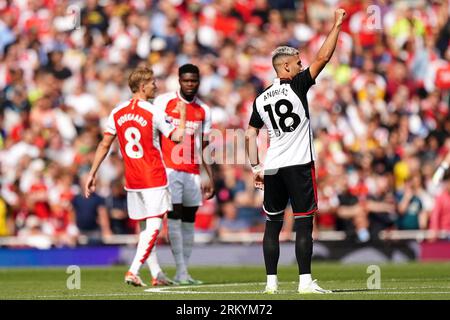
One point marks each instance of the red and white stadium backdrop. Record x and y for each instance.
(443, 77)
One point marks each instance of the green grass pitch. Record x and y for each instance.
(419, 281)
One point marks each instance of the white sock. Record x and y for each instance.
(272, 281)
(187, 231)
(153, 263)
(176, 245)
(304, 280)
(147, 240)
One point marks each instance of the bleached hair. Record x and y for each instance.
(283, 51)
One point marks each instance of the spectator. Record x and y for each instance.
(230, 223)
(248, 202)
(381, 205)
(5, 219)
(61, 225)
(351, 209)
(116, 203)
(94, 16)
(440, 216)
(55, 66)
(227, 185)
(91, 215)
(33, 235)
(206, 219)
(414, 205)
(382, 103)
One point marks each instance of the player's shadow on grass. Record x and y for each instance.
(353, 290)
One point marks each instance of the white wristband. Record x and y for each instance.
(258, 168)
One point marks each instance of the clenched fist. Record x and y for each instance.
(180, 107)
(339, 16)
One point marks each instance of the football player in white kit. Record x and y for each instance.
(289, 173)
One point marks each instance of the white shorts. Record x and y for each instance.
(185, 188)
(148, 203)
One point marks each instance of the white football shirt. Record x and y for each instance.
(283, 108)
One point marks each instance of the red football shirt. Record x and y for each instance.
(137, 125)
(186, 155)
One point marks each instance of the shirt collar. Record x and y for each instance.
(184, 100)
(281, 80)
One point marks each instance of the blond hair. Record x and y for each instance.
(138, 76)
(283, 51)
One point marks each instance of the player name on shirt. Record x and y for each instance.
(132, 117)
(276, 92)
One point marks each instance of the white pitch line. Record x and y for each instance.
(391, 280)
(94, 295)
(169, 290)
(240, 292)
(398, 292)
(162, 290)
(210, 285)
(182, 290)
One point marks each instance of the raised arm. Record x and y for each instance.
(326, 51)
(440, 171)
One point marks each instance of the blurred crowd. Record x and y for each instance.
(379, 110)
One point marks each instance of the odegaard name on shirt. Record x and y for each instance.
(132, 117)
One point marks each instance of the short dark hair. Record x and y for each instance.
(188, 68)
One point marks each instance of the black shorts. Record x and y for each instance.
(294, 183)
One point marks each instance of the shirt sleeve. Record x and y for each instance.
(255, 119)
(101, 201)
(158, 103)
(302, 82)
(163, 123)
(110, 126)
